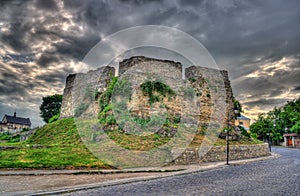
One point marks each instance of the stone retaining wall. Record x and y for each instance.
(218, 153)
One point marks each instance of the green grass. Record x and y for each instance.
(61, 145)
(59, 133)
(9, 138)
(62, 148)
(51, 158)
(136, 142)
(243, 141)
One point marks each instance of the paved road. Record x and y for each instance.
(279, 176)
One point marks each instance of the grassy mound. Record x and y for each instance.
(55, 146)
(59, 133)
(58, 146)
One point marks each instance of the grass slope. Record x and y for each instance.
(58, 147)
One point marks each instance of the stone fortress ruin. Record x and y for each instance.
(198, 77)
(164, 98)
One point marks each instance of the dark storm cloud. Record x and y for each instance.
(47, 59)
(15, 36)
(51, 78)
(139, 2)
(12, 85)
(243, 37)
(297, 88)
(76, 47)
(269, 102)
(21, 68)
(47, 5)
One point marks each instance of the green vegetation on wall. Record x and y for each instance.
(105, 97)
(155, 89)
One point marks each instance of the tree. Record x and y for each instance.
(286, 118)
(238, 106)
(50, 107)
(261, 126)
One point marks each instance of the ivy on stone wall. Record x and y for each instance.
(155, 89)
(105, 97)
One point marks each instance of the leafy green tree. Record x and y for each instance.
(296, 128)
(261, 126)
(286, 118)
(50, 107)
(237, 105)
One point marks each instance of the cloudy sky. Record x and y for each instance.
(42, 41)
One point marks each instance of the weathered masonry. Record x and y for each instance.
(168, 69)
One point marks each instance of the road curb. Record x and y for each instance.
(80, 172)
(202, 168)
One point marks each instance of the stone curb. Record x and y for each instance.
(80, 172)
(192, 169)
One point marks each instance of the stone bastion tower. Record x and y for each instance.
(209, 86)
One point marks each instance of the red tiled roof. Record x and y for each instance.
(291, 134)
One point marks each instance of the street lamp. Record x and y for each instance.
(227, 146)
(236, 112)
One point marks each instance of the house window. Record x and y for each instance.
(241, 123)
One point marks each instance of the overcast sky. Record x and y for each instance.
(42, 41)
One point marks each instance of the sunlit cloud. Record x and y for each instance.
(269, 69)
(256, 41)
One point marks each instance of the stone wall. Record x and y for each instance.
(76, 85)
(207, 81)
(217, 82)
(133, 61)
(66, 106)
(169, 69)
(218, 153)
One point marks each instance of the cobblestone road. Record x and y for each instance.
(279, 176)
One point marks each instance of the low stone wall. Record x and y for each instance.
(218, 153)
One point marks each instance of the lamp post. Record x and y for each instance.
(269, 140)
(227, 135)
(227, 146)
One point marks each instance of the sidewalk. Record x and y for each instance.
(27, 182)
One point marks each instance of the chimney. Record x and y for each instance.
(15, 114)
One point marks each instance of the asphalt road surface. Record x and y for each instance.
(280, 176)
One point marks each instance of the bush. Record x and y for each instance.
(244, 132)
(149, 87)
(105, 97)
(9, 137)
(5, 136)
(54, 118)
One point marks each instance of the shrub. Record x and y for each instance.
(150, 87)
(105, 97)
(244, 132)
(54, 118)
